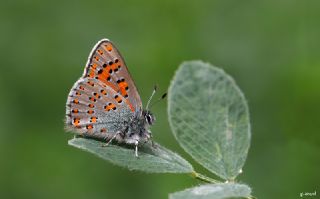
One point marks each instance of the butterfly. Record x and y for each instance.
(105, 104)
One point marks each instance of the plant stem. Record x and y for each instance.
(203, 178)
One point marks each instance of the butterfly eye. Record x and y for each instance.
(149, 118)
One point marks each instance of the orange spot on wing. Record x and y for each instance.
(94, 66)
(119, 64)
(108, 47)
(114, 66)
(123, 88)
(96, 95)
(100, 52)
(93, 119)
(130, 106)
(123, 91)
(92, 99)
(118, 98)
(76, 121)
(91, 73)
(90, 83)
(105, 74)
(76, 101)
(89, 126)
(110, 106)
(104, 92)
(103, 130)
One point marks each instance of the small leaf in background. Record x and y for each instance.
(152, 159)
(214, 191)
(209, 117)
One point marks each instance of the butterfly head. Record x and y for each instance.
(149, 117)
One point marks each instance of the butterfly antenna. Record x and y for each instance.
(158, 100)
(150, 98)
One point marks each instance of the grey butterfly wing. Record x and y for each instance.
(107, 65)
(94, 109)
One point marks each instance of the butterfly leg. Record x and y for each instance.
(153, 145)
(113, 137)
(136, 148)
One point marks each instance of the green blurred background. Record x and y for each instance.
(270, 47)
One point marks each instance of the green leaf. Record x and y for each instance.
(152, 159)
(209, 117)
(214, 191)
